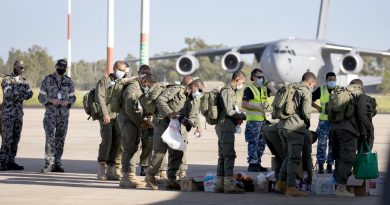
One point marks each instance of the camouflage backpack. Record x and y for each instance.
(371, 106)
(283, 104)
(210, 107)
(117, 92)
(1, 93)
(148, 99)
(341, 104)
(90, 105)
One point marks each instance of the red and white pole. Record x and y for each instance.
(110, 37)
(145, 26)
(69, 40)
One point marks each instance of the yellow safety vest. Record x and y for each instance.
(323, 100)
(260, 97)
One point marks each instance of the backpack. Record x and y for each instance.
(283, 104)
(371, 106)
(210, 106)
(1, 93)
(148, 99)
(341, 104)
(90, 105)
(115, 100)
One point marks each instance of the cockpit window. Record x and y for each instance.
(289, 51)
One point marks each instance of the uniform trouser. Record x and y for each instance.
(323, 134)
(110, 148)
(274, 143)
(56, 128)
(130, 140)
(255, 140)
(144, 151)
(344, 153)
(226, 153)
(293, 143)
(12, 127)
(307, 162)
(159, 150)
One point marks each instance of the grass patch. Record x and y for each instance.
(33, 102)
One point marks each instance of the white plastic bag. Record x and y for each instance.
(209, 182)
(172, 136)
(261, 180)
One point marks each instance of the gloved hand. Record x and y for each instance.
(265, 81)
(186, 122)
(307, 124)
(243, 116)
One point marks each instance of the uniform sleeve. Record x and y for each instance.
(227, 95)
(42, 97)
(192, 109)
(248, 95)
(316, 94)
(306, 106)
(27, 91)
(72, 94)
(163, 100)
(132, 110)
(101, 96)
(361, 107)
(8, 90)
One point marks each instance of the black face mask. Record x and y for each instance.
(61, 71)
(18, 71)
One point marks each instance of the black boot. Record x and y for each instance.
(261, 168)
(57, 168)
(14, 166)
(253, 168)
(320, 168)
(329, 169)
(3, 167)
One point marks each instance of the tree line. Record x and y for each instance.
(85, 74)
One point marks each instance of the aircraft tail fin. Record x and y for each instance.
(322, 19)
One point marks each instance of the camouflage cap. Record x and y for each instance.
(19, 63)
(62, 63)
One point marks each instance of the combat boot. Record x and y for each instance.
(14, 166)
(151, 182)
(47, 168)
(125, 181)
(230, 188)
(182, 174)
(342, 192)
(133, 179)
(143, 171)
(219, 185)
(163, 175)
(57, 168)
(292, 191)
(3, 167)
(261, 168)
(111, 173)
(253, 168)
(281, 186)
(101, 175)
(329, 169)
(172, 185)
(320, 168)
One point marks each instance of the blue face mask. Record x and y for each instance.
(145, 88)
(119, 74)
(196, 94)
(259, 82)
(331, 84)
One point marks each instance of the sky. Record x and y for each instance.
(359, 23)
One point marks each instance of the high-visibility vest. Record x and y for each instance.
(260, 97)
(323, 100)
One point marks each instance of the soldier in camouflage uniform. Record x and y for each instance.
(175, 101)
(255, 101)
(345, 135)
(16, 90)
(229, 118)
(292, 132)
(323, 130)
(132, 120)
(57, 94)
(111, 145)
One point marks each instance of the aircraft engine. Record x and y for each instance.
(231, 61)
(187, 64)
(351, 63)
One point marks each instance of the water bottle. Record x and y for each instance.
(238, 129)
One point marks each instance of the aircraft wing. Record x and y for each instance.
(341, 49)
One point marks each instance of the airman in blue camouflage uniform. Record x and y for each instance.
(16, 90)
(57, 94)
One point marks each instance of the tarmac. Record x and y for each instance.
(78, 185)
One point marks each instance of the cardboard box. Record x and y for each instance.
(323, 185)
(192, 184)
(358, 186)
(376, 186)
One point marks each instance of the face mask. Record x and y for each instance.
(239, 87)
(18, 71)
(331, 84)
(259, 82)
(60, 71)
(119, 74)
(145, 88)
(196, 94)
